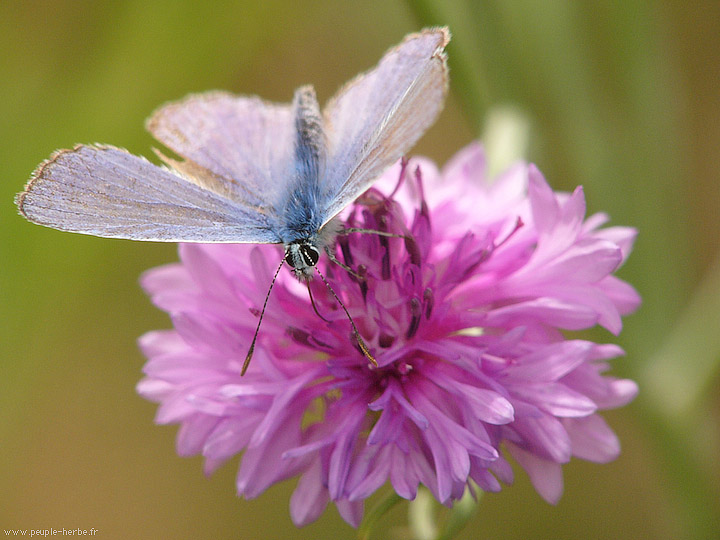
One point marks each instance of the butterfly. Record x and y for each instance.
(251, 171)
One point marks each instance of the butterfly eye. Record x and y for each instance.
(290, 257)
(302, 255)
(310, 254)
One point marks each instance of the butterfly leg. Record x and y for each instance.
(342, 265)
(370, 231)
(410, 244)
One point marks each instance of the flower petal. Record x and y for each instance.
(546, 476)
(592, 439)
(310, 498)
(556, 399)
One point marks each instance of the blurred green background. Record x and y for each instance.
(621, 96)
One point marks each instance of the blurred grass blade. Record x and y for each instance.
(676, 386)
(688, 361)
(422, 513)
(506, 137)
(467, 78)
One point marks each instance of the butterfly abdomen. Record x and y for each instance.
(310, 146)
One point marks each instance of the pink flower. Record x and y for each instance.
(464, 317)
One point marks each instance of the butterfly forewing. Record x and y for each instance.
(380, 115)
(106, 191)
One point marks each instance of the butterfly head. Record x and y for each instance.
(302, 256)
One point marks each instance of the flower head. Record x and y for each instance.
(464, 314)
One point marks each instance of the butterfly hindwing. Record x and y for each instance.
(245, 143)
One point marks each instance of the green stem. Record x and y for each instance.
(428, 520)
(374, 515)
(462, 511)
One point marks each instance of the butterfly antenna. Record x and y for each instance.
(360, 341)
(262, 313)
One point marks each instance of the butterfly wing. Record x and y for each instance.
(240, 157)
(106, 191)
(243, 146)
(377, 117)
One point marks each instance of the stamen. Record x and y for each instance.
(386, 340)
(345, 248)
(519, 224)
(302, 337)
(423, 205)
(385, 267)
(413, 250)
(429, 300)
(403, 166)
(298, 335)
(415, 312)
(362, 272)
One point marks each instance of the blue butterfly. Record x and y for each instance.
(252, 171)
